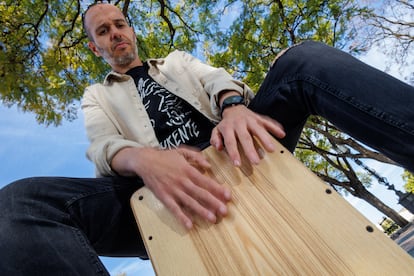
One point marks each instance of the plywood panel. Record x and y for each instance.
(283, 220)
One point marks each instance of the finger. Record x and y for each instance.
(271, 128)
(230, 143)
(195, 207)
(247, 144)
(177, 212)
(209, 194)
(216, 139)
(190, 199)
(274, 127)
(206, 182)
(265, 138)
(194, 157)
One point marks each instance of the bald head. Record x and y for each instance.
(91, 11)
(111, 37)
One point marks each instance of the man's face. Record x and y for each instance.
(113, 39)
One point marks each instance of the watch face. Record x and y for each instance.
(231, 101)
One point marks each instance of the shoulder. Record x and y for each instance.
(93, 88)
(181, 55)
(90, 94)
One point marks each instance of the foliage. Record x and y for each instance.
(44, 61)
(389, 226)
(409, 181)
(264, 28)
(45, 64)
(40, 71)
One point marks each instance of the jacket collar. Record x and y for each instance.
(117, 77)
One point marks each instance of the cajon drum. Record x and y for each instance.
(283, 220)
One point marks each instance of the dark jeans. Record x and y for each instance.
(367, 104)
(58, 226)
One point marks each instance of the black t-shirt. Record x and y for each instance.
(174, 120)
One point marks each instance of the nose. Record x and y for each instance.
(115, 33)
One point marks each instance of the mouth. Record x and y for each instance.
(119, 45)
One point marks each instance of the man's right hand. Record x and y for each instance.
(175, 178)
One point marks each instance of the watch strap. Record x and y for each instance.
(231, 101)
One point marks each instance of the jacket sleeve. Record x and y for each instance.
(215, 80)
(105, 140)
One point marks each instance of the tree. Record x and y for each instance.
(390, 28)
(264, 28)
(41, 57)
(44, 64)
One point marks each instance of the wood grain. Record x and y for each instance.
(283, 220)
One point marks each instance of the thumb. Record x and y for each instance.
(216, 139)
(194, 157)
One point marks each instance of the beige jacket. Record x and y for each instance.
(115, 117)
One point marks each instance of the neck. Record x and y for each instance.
(125, 68)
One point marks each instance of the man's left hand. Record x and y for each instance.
(239, 125)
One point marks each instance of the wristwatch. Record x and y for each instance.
(231, 101)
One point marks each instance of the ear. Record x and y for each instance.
(94, 49)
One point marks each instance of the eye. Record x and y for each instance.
(102, 31)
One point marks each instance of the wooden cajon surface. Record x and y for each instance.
(283, 220)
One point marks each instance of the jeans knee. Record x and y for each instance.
(20, 191)
(21, 184)
(301, 54)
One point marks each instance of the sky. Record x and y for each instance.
(29, 149)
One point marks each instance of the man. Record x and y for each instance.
(141, 116)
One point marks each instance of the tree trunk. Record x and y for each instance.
(380, 206)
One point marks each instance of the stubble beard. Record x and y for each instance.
(122, 60)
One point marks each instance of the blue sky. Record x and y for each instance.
(29, 149)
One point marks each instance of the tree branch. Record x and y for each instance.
(167, 20)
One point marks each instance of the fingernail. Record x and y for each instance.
(189, 225)
(223, 210)
(211, 217)
(236, 163)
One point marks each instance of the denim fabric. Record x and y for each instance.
(367, 104)
(58, 226)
